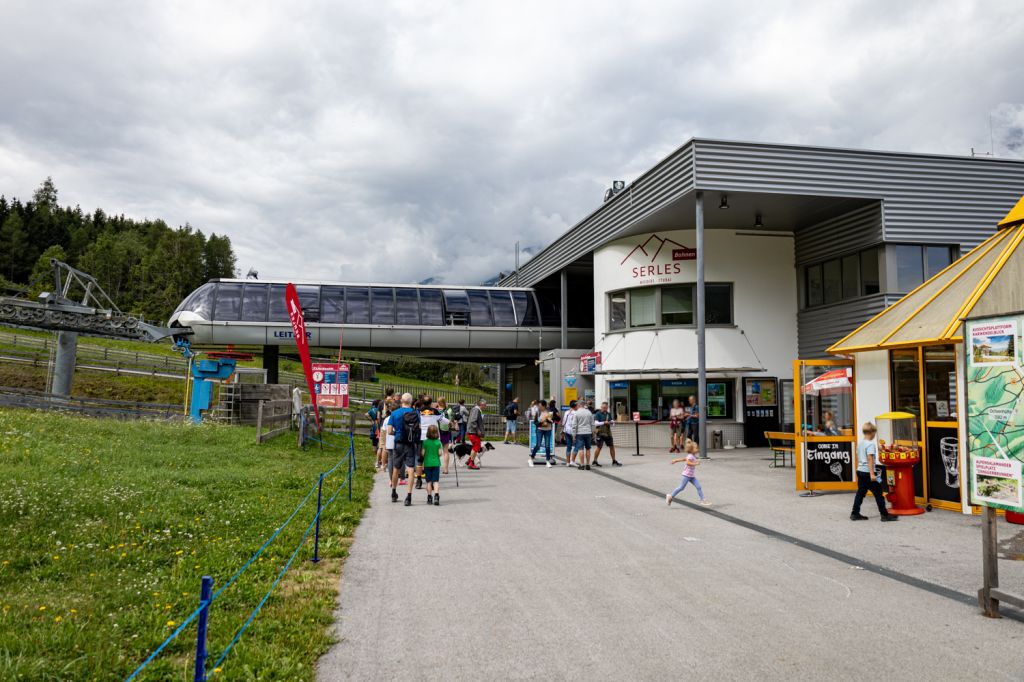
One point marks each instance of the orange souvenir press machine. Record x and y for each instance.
(899, 450)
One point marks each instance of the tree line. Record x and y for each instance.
(145, 266)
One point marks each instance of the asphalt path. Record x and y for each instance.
(536, 573)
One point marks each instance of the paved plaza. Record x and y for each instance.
(535, 573)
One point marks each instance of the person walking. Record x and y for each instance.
(689, 474)
(448, 430)
(569, 433)
(511, 420)
(432, 464)
(543, 424)
(463, 412)
(405, 424)
(603, 435)
(386, 440)
(693, 420)
(868, 477)
(475, 433)
(583, 428)
(677, 422)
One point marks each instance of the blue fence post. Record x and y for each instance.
(205, 594)
(316, 538)
(351, 464)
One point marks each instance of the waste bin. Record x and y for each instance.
(716, 439)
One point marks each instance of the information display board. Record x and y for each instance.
(330, 381)
(995, 415)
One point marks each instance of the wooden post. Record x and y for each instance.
(259, 423)
(990, 564)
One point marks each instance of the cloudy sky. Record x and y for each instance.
(395, 141)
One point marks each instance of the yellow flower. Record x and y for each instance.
(56, 557)
(179, 552)
(216, 670)
(57, 619)
(74, 610)
(171, 623)
(42, 608)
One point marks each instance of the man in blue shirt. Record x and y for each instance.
(404, 454)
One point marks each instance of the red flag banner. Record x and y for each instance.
(291, 298)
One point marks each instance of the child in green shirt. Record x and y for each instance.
(432, 464)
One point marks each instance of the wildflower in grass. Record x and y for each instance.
(42, 608)
(57, 619)
(171, 623)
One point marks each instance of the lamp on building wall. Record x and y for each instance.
(724, 201)
(758, 222)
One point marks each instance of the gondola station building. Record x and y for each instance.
(800, 246)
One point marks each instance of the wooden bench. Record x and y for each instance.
(781, 444)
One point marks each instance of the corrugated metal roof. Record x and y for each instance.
(984, 280)
(925, 198)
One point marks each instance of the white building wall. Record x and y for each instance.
(762, 271)
(871, 374)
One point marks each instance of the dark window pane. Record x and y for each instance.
(357, 305)
(814, 296)
(254, 303)
(309, 301)
(229, 302)
(869, 282)
(519, 299)
(278, 306)
(936, 259)
(332, 304)
(851, 276)
(677, 305)
(909, 267)
(501, 304)
(532, 318)
(431, 312)
(382, 305)
(201, 302)
(832, 281)
(617, 310)
(479, 308)
(407, 306)
(456, 307)
(718, 303)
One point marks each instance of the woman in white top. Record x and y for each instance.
(676, 422)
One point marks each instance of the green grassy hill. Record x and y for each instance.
(109, 526)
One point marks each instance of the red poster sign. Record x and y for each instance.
(291, 298)
(331, 384)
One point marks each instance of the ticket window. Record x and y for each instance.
(619, 399)
(643, 398)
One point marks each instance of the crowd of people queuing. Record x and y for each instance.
(415, 438)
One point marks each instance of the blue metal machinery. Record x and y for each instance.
(204, 372)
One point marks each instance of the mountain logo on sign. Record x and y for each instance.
(654, 245)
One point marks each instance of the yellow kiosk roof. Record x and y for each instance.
(985, 281)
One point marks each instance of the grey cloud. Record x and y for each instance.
(396, 141)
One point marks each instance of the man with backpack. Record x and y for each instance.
(511, 418)
(603, 433)
(405, 424)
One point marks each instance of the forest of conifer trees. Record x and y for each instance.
(146, 266)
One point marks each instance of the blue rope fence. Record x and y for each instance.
(202, 610)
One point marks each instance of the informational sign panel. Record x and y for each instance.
(829, 462)
(330, 382)
(569, 393)
(760, 411)
(995, 415)
(590, 362)
(759, 392)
